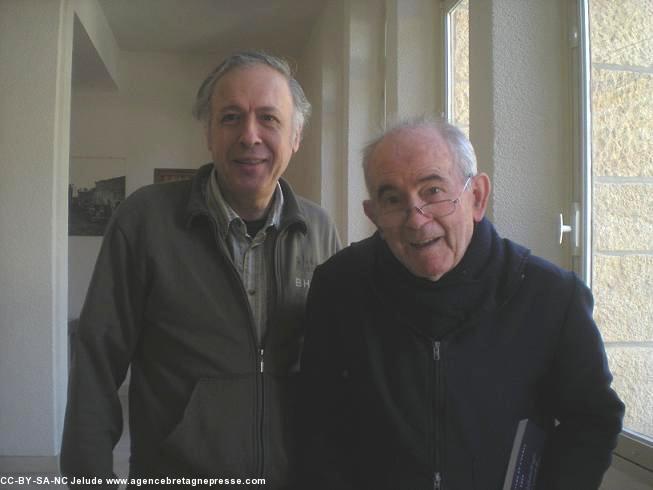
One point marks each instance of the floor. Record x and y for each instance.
(48, 467)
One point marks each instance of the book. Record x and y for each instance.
(525, 457)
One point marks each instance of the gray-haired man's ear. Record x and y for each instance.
(297, 139)
(370, 211)
(207, 133)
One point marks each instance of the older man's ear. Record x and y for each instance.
(481, 188)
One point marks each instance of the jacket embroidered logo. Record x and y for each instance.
(302, 283)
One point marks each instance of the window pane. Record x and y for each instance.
(459, 78)
(621, 43)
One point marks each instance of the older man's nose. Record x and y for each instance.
(416, 217)
(249, 135)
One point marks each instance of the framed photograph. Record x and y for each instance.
(172, 174)
(96, 188)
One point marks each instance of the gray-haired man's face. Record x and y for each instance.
(250, 134)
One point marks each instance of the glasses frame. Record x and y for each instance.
(420, 209)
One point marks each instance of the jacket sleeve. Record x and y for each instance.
(325, 456)
(102, 350)
(588, 410)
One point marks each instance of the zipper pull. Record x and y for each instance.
(437, 481)
(436, 351)
(261, 362)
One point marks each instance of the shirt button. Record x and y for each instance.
(252, 292)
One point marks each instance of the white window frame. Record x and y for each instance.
(581, 32)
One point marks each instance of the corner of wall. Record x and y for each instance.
(60, 220)
(92, 18)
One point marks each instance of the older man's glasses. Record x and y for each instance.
(394, 212)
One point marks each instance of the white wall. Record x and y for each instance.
(364, 68)
(319, 168)
(342, 70)
(413, 71)
(159, 91)
(304, 172)
(36, 56)
(519, 118)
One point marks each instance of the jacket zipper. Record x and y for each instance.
(261, 358)
(438, 416)
(437, 481)
(261, 412)
(259, 456)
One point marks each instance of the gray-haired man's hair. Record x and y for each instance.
(302, 107)
(460, 147)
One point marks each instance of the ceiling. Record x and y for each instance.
(208, 26)
(280, 27)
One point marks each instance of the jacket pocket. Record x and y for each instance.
(216, 436)
(280, 430)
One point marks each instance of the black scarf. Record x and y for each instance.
(438, 307)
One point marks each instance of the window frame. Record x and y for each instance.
(582, 35)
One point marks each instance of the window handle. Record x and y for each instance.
(562, 229)
(573, 228)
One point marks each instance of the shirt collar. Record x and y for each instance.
(225, 214)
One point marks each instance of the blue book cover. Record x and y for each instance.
(525, 457)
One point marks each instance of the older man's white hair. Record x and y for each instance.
(458, 144)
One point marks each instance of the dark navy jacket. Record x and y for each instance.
(387, 407)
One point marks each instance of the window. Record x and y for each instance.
(457, 63)
(619, 172)
(616, 110)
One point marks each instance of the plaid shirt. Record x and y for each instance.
(252, 256)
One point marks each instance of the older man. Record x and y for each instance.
(430, 341)
(200, 287)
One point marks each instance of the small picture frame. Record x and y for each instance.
(173, 174)
(96, 187)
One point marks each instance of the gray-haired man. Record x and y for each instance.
(200, 288)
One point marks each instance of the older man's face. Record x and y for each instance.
(251, 134)
(407, 169)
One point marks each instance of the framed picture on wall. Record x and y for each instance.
(96, 188)
(172, 174)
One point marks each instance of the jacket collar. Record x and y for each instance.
(197, 208)
(509, 260)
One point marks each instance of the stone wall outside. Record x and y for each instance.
(621, 36)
